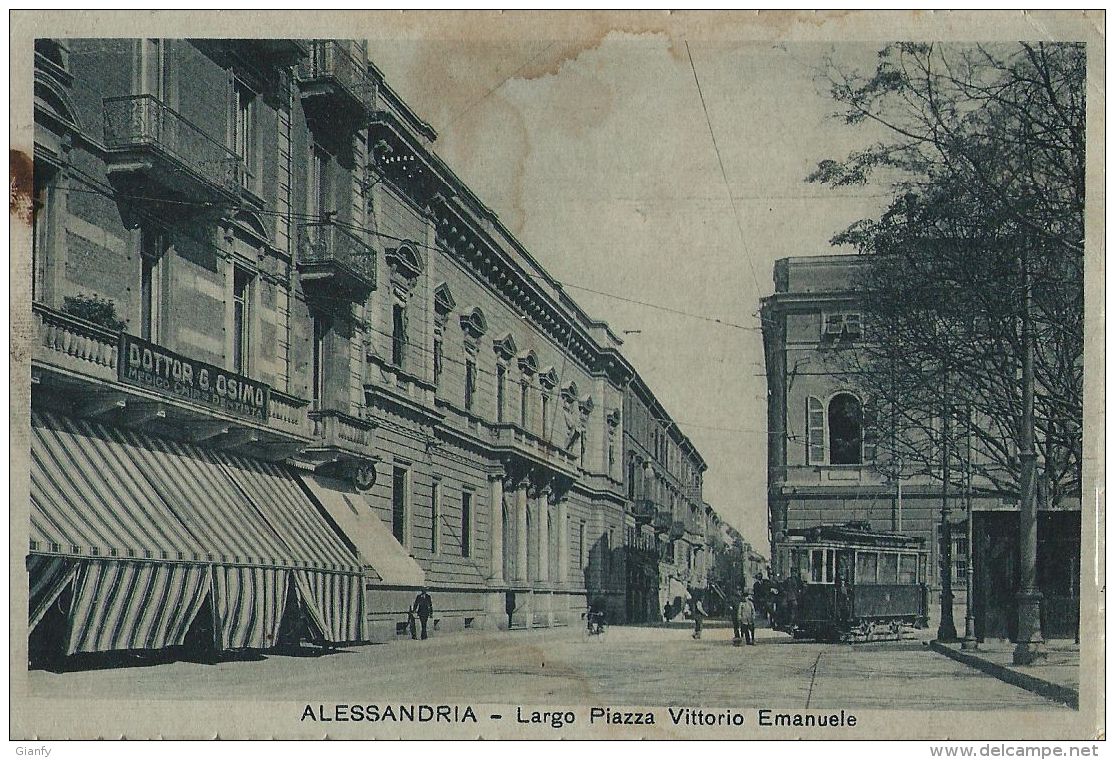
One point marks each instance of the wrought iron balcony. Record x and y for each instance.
(662, 520)
(334, 83)
(334, 263)
(154, 147)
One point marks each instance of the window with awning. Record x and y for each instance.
(146, 529)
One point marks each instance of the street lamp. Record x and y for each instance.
(1030, 646)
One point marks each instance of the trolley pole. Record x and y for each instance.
(1030, 646)
(970, 642)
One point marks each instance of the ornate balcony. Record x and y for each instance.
(335, 86)
(154, 150)
(338, 438)
(514, 440)
(78, 366)
(334, 263)
(642, 510)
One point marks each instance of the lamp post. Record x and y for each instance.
(970, 642)
(946, 630)
(1030, 645)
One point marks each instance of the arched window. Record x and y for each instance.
(845, 428)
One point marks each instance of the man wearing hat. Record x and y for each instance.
(423, 607)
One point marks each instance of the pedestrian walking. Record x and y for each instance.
(509, 607)
(746, 616)
(699, 616)
(423, 608)
(737, 632)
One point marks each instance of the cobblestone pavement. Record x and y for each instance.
(626, 666)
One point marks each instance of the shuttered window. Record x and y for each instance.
(815, 430)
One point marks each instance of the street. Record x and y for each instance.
(651, 666)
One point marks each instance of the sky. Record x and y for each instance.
(599, 157)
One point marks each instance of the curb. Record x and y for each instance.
(1054, 691)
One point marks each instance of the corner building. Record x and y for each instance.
(822, 455)
(287, 369)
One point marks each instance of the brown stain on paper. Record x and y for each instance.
(21, 186)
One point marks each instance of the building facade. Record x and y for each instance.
(666, 527)
(249, 262)
(822, 451)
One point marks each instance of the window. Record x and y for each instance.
(42, 217)
(524, 404)
(470, 383)
(438, 347)
(545, 416)
(845, 423)
(908, 569)
(799, 563)
(817, 565)
(152, 248)
(399, 498)
(320, 331)
(244, 131)
(888, 568)
(151, 68)
(842, 325)
(319, 197)
(501, 391)
(815, 431)
(867, 567)
(435, 518)
(241, 318)
(398, 334)
(466, 524)
(581, 554)
(959, 556)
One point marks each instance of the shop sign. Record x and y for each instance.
(151, 366)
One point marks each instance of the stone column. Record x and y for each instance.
(521, 537)
(562, 526)
(495, 486)
(544, 535)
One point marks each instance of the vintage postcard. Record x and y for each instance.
(564, 375)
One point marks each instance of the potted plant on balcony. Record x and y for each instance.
(99, 311)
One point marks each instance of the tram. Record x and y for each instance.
(849, 583)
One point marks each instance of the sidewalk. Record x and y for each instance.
(1057, 677)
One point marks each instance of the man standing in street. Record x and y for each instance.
(698, 617)
(747, 619)
(737, 632)
(423, 607)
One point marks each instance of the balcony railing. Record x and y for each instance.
(142, 125)
(510, 436)
(335, 430)
(336, 258)
(74, 343)
(677, 529)
(331, 71)
(662, 520)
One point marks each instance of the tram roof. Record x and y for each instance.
(854, 533)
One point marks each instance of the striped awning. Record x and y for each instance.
(88, 499)
(104, 492)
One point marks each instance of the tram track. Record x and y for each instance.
(813, 678)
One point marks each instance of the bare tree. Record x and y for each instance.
(986, 155)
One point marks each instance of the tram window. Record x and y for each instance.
(867, 567)
(922, 560)
(830, 565)
(799, 560)
(888, 568)
(817, 565)
(908, 569)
